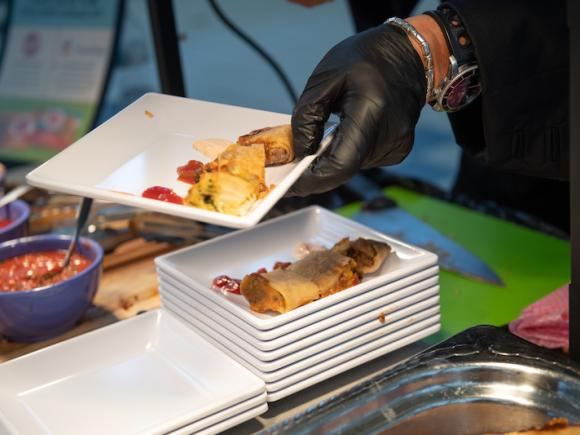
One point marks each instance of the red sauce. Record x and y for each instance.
(226, 283)
(190, 172)
(29, 271)
(162, 194)
(5, 222)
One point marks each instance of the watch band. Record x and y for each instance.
(461, 84)
(458, 41)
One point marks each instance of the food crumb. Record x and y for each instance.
(128, 302)
(149, 114)
(381, 317)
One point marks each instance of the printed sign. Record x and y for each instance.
(54, 68)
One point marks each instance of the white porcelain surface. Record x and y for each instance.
(341, 362)
(319, 336)
(242, 252)
(131, 151)
(146, 375)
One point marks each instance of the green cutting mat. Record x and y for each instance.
(530, 263)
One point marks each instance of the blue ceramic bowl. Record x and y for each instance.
(19, 212)
(45, 312)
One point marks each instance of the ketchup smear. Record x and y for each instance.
(190, 172)
(227, 284)
(5, 222)
(29, 271)
(162, 194)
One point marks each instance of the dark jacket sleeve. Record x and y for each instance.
(520, 122)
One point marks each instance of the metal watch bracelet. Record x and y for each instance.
(410, 30)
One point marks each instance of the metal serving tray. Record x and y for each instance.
(483, 380)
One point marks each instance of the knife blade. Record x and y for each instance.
(383, 214)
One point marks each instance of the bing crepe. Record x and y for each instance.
(317, 275)
(277, 142)
(232, 182)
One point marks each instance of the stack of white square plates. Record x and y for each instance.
(395, 306)
(147, 375)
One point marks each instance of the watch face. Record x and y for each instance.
(461, 90)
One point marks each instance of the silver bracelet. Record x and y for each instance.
(410, 29)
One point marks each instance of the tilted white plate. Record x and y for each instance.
(242, 252)
(132, 151)
(370, 314)
(146, 375)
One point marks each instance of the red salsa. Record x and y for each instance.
(227, 284)
(37, 269)
(190, 172)
(162, 194)
(5, 222)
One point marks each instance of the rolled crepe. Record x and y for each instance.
(368, 254)
(277, 143)
(280, 290)
(330, 271)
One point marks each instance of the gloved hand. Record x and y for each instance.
(375, 82)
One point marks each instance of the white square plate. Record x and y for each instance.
(224, 425)
(320, 333)
(146, 375)
(242, 252)
(409, 311)
(271, 339)
(354, 361)
(269, 371)
(341, 361)
(132, 151)
(215, 422)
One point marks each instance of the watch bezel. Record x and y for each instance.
(455, 75)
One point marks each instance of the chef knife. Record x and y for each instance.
(383, 214)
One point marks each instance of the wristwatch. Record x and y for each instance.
(461, 85)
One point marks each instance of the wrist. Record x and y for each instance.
(430, 30)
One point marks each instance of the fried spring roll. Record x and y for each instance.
(330, 271)
(280, 290)
(277, 143)
(368, 254)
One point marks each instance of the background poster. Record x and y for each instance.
(55, 65)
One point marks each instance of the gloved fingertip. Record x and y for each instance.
(308, 128)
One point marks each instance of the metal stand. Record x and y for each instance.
(166, 47)
(574, 25)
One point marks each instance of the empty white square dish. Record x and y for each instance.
(242, 252)
(143, 145)
(146, 375)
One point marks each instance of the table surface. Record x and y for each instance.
(530, 263)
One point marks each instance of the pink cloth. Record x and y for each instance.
(545, 322)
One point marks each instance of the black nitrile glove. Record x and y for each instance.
(376, 83)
